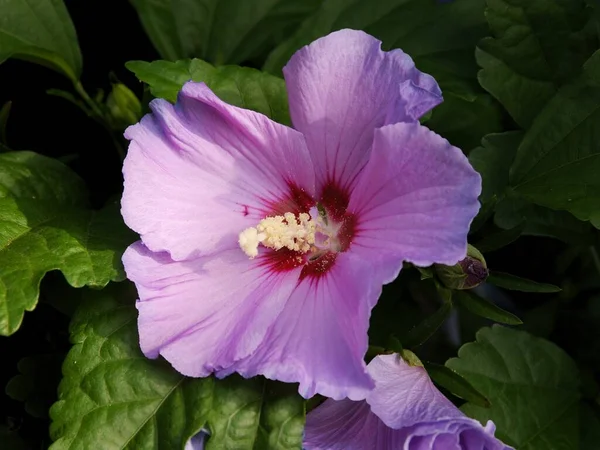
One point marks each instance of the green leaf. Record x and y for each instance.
(514, 283)
(493, 160)
(532, 384)
(457, 385)
(40, 31)
(46, 224)
(36, 383)
(440, 37)
(523, 98)
(536, 46)
(483, 308)
(221, 32)
(426, 272)
(465, 122)
(395, 313)
(110, 390)
(557, 163)
(539, 221)
(425, 329)
(485, 212)
(499, 239)
(239, 86)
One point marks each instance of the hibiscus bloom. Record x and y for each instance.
(404, 411)
(264, 248)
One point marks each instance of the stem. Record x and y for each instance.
(87, 99)
(101, 117)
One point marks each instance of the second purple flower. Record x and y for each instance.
(264, 248)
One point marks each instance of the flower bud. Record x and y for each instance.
(124, 107)
(466, 274)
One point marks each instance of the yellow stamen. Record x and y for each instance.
(279, 232)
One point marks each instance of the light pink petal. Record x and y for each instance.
(415, 199)
(405, 395)
(320, 338)
(204, 314)
(200, 172)
(404, 411)
(341, 88)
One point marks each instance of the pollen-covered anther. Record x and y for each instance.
(277, 232)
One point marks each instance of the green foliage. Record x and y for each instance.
(514, 283)
(537, 66)
(533, 387)
(539, 221)
(483, 308)
(457, 385)
(493, 160)
(439, 36)
(40, 31)
(220, 32)
(465, 120)
(497, 240)
(426, 328)
(110, 390)
(537, 44)
(239, 86)
(557, 163)
(46, 224)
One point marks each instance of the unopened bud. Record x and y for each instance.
(124, 107)
(466, 274)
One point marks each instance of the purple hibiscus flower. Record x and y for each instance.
(264, 248)
(404, 411)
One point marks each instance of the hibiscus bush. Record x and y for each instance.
(300, 224)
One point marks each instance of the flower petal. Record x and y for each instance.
(404, 411)
(200, 172)
(204, 314)
(420, 442)
(320, 338)
(197, 442)
(446, 441)
(415, 199)
(348, 425)
(405, 395)
(341, 88)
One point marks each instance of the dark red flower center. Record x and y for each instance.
(337, 226)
